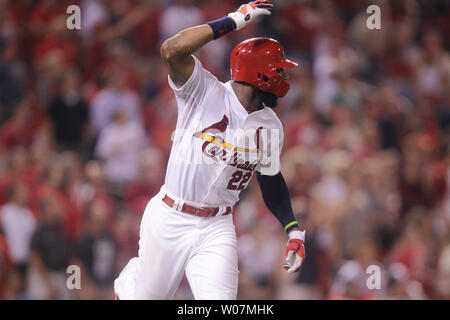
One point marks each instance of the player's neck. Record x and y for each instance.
(246, 96)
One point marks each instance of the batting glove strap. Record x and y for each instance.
(248, 12)
(295, 255)
(296, 234)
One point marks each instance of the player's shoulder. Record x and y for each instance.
(200, 83)
(206, 73)
(270, 119)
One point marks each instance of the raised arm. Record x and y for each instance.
(177, 50)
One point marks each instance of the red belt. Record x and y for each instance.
(201, 212)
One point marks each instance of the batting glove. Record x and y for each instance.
(295, 252)
(248, 12)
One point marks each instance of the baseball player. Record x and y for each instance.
(225, 133)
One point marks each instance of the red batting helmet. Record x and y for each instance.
(255, 61)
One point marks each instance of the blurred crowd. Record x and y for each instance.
(86, 118)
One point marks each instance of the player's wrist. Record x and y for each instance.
(238, 19)
(249, 11)
(291, 226)
(297, 234)
(222, 26)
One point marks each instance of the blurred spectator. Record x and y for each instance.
(19, 129)
(97, 250)
(18, 223)
(69, 114)
(94, 185)
(114, 97)
(443, 273)
(304, 17)
(50, 255)
(411, 247)
(433, 65)
(95, 15)
(351, 278)
(179, 15)
(14, 286)
(401, 286)
(119, 145)
(12, 78)
(5, 265)
(259, 255)
(147, 184)
(126, 235)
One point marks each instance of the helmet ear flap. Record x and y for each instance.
(270, 81)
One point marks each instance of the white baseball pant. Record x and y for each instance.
(172, 243)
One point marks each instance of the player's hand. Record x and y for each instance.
(295, 255)
(248, 12)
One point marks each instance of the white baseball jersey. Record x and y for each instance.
(217, 144)
(216, 148)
